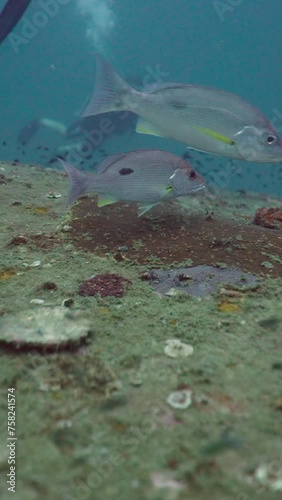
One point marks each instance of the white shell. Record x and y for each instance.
(53, 194)
(176, 349)
(36, 263)
(180, 400)
(269, 476)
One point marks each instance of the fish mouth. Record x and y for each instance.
(198, 188)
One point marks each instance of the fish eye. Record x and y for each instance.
(270, 139)
(192, 175)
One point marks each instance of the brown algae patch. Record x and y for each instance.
(170, 235)
(103, 285)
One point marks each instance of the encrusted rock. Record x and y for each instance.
(198, 281)
(269, 217)
(47, 326)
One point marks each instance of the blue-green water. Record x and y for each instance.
(47, 68)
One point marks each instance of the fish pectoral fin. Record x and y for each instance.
(216, 135)
(144, 127)
(142, 209)
(104, 199)
(166, 193)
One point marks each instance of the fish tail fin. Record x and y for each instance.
(109, 91)
(79, 182)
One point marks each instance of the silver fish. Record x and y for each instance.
(203, 118)
(146, 177)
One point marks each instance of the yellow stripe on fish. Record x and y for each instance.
(214, 134)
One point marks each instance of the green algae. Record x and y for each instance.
(85, 429)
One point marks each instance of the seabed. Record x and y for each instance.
(96, 413)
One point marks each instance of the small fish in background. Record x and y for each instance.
(76, 135)
(117, 122)
(203, 118)
(146, 177)
(120, 122)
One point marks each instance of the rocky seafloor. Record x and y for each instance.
(145, 353)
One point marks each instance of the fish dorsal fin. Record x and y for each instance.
(112, 159)
(142, 209)
(141, 151)
(108, 162)
(105, 199)
(144, 127)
